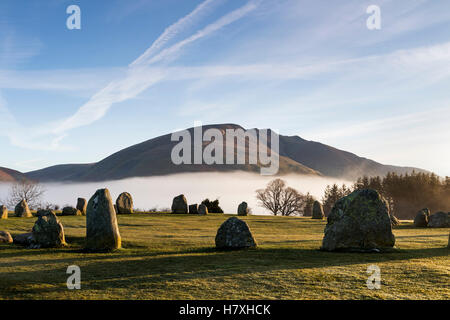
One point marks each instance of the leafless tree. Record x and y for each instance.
(27, 190)
(280, 199)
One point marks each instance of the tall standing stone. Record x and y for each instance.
(243, 209)
(234, 234)
(3, 212)
(317, 212)
(22, 210)
(359, 221)
(202, 209)
(179, 204)
(82, 205)
(124, 203)
(102, 230)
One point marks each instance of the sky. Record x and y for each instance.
(139, 69)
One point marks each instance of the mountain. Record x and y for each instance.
(9, 175)
(153, 157)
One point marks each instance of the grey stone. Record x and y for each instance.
(242, 209)
(102, 230)
(439, 220)
(193, 209)
(3, 212)
(179, 205)
(317, 212)
(234, 234)
(124, 203)
(359, 221)
(5, 237)
(70, 211)
(422, 217)
(202, 209)
(82, 205)
(48, 232)
(22, 210)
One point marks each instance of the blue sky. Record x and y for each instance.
(138, 69)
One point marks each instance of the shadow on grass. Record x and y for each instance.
(144, 269)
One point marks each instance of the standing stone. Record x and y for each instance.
(317, 212)
(102, 231)
(3, 212)
(193, 209)
(359, 221)
(448, 246)
(422, 217)
(48, 232)
(70, 211)
(22, 210)
(202, 209)
(5, 237)
(124, 203)
(179, 204)
(234, 234)
(82, 205)
(439, 220)
(243, 209)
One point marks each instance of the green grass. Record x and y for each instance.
(173, 257)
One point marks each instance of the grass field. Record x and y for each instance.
(173, 257)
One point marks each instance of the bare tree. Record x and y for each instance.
(27, 190)
(280, 199)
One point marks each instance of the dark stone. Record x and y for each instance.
(24, 239)
(102, 231)
(124, 203)
(202, 209)
(317, 212)
(193, 209)
(82, 205)
(5, 237)
(358, 221)
(179, 205)
(48, 232)
(70, 211)
(22, 210)
(422, 217)
(234, 234)
(243, 209)
(3, 212)
(439, 220)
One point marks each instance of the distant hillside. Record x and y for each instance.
(9, 175)
(153, 158)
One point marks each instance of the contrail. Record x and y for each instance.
(138, 79)
(174, 30)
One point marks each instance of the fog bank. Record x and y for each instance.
(230, 188)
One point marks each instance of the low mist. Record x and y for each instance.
(158, 192)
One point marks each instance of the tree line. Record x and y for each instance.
(405, 194)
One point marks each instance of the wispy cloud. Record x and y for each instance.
(139, 77)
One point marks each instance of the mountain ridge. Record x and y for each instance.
(152, 158)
